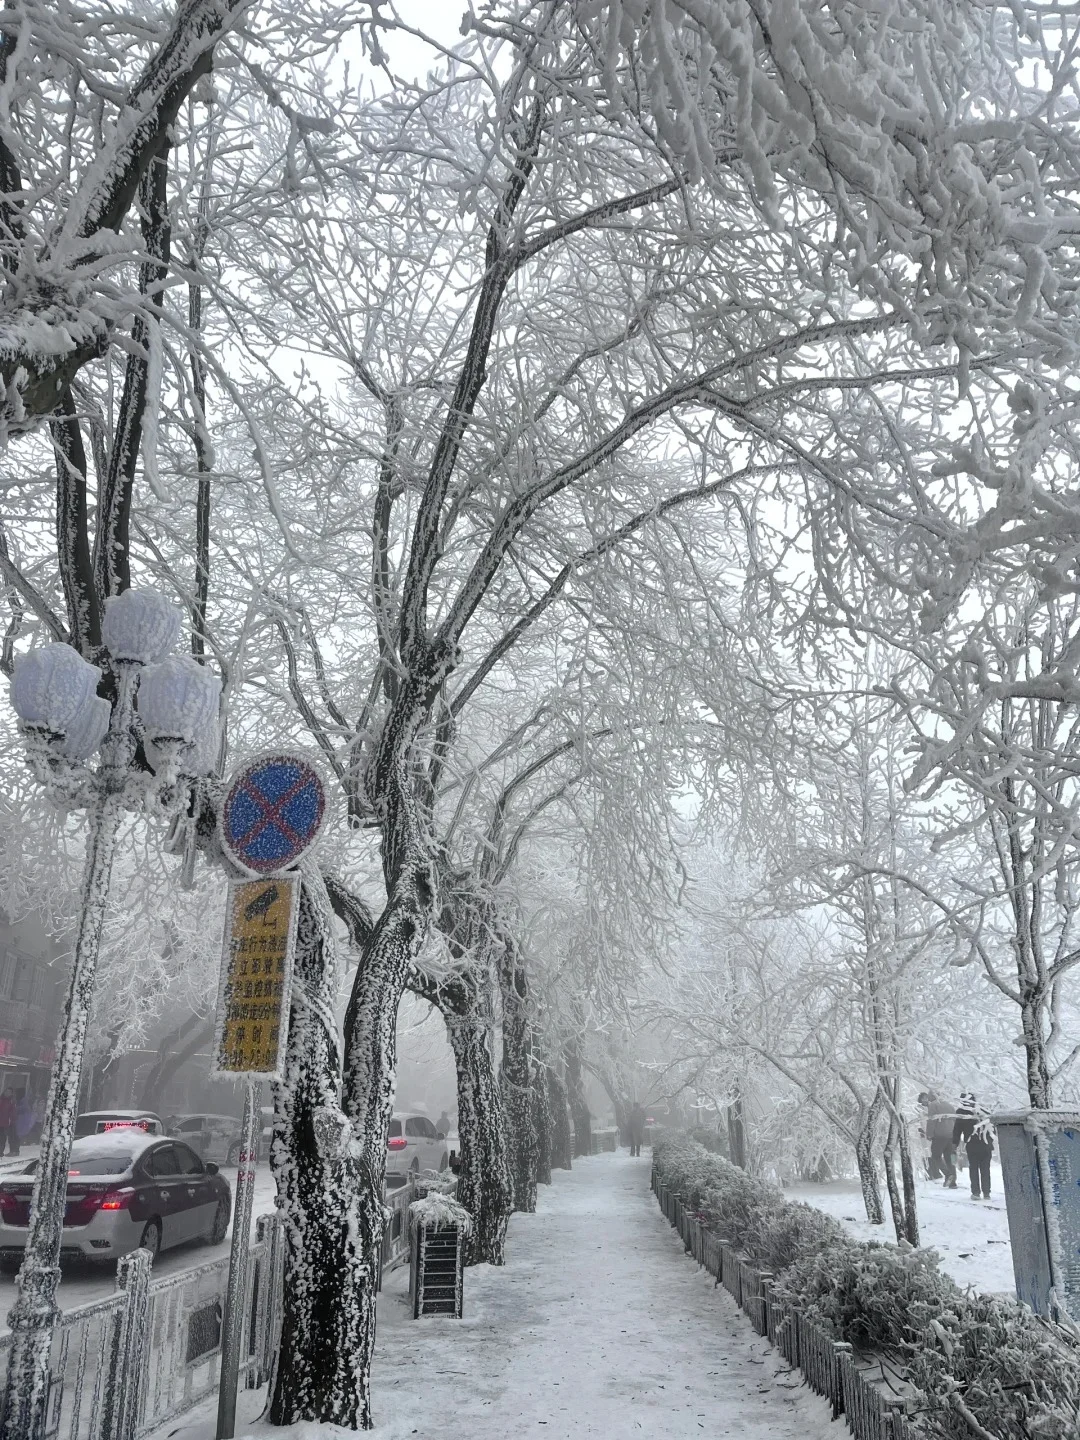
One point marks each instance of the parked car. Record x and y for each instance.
(212, 1137)
(125, 1189)
(98, 1122)
(413, 1145)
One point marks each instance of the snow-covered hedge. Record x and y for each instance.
(985, 1366)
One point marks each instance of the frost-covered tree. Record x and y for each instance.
(472, 332)
(992, 705)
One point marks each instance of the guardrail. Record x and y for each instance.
(868, 1390)
(125, 1364)
(122, 1365)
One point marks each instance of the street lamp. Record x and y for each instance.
(153, 738)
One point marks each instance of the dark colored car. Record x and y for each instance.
(125, 1189)
(101, 1122)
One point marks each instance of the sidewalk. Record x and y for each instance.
(599, 1326)
(13, 1164)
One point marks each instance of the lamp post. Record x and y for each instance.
(164, 713)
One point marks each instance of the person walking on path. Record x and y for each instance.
(977, 1133)
(8, 1128)
(940, 1122)
(636, 1128)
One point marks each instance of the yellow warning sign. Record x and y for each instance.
(256, 977)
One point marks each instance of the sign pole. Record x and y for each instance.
(232, 1330)
(274, 809)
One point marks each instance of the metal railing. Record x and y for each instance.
(604, 1140)
(123, 1365)
(395, 1243)
(868, 1390)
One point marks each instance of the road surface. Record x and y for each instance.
(81, 1283)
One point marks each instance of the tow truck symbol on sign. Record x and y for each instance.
(260, 906)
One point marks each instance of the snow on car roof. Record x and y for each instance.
(95, 1114)
(204, 1115)
(127, 1142)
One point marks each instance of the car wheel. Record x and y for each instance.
(221, 1222)
(444, 1162)
(235, 1151)
(150, 1239)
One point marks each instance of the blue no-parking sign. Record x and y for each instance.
(273, 813)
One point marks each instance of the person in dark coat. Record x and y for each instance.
(940, 1120)
(977, 1133)
(8, 1129)
(635, 1127)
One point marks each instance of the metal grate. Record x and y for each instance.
(437, 1267)
(204, 1331)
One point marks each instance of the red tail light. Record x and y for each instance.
(83, 1205)
(117, 1199)
(9, 1204)
(396, 1142)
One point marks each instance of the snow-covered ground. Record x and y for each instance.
(971, 1236)
(80, 1284)
(599, 1325)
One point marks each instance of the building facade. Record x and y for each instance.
(31, 995)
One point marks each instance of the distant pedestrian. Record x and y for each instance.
(636, 1129)
(24, 1118)
(9, 1110)
(940, 1121)
(977, 1133)
(443, 1125)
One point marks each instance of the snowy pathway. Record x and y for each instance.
(599, 1326)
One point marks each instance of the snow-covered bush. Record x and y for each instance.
(439, 1212)
(985, 1366)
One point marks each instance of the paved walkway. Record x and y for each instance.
(598, 1326)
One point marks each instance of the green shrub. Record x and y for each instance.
(983, 1365)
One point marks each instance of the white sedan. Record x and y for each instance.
(413, 1145)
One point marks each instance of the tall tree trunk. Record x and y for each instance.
(515, 1078)
(619, 1104)
(484, 1186)
(864, 1155)
(896, 1199)
(579, 1108)
(324, 1367)
(736, 1129)
(1036, 1064)
(907, 1175)
(541, 1109)
(322, 1266)
(561, 1141)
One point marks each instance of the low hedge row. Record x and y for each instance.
(986, 1367)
